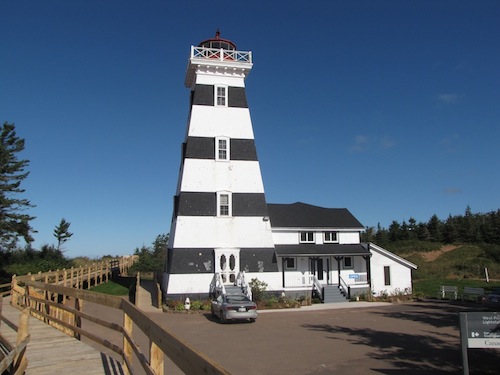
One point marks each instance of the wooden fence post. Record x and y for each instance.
(22, 332)
(127, 348)
(77, 319)
(137, 287)
(156, 359)
(159, 294)
(89, 280)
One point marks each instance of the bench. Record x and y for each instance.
(477, 293)
(448, 289)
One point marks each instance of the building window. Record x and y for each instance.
(306, 237)
(290, 264)
(221, 96)
(222, 148)
(224, 204)
(330, 237)
(348, 264)
(387, 275)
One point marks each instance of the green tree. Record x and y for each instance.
(62, 233)
(152, 259)
(14, 222)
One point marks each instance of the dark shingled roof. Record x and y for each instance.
(301, 215)
(321, 250)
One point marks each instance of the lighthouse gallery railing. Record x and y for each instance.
(221, 54)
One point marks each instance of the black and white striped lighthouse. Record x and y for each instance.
(220, 223)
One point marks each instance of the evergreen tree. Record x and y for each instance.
(62, 233)
(434, 226)
(14, 223)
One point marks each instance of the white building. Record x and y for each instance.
(224, 232)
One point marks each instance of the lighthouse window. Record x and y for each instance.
(221, 96)
(224, 204)
(222, 148)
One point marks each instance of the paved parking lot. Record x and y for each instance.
(410, 338)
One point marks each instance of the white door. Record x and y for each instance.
(227, 263)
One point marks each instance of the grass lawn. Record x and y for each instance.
(112, 288)
(430, 287)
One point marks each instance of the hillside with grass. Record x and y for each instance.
(450, 264)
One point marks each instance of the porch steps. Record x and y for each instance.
(332, 294)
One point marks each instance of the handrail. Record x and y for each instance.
(44, 300)
(344, 287)
(76, 277)
(217, 286)
(243, 283)
(221, 54)
(5, 292)
(317, 285)
(16, 359)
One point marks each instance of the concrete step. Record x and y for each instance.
(332, 294)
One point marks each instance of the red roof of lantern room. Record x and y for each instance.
(218, 43)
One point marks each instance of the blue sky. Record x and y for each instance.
(388, 108)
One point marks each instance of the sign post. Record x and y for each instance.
(478, 330)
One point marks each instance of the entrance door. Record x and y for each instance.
(227, 263)
(317, 268)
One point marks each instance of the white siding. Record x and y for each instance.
(188, 283)
(283, 237)
(219, 79)
(210, 176)
(209, 121)
(348, 237)
(208, 231)
(272, 279)
(400, 275)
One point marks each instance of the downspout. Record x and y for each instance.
(283, 262)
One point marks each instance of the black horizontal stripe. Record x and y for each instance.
(204, 148)
(205, 204)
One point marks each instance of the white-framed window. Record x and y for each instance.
(221, 96)
(224, 204)
(348, 263)
(330, 237)
(306, 237)
(290, 264)
(222, 148)
(387, 275)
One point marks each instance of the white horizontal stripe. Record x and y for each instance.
(219, 79)
(209, 121)
(214, 232)
(211, 176)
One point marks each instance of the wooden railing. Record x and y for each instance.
(58, 299)
(4, 290)
(14, 359)
(80, 277)
(44, 302)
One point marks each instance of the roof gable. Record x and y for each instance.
(301, 215)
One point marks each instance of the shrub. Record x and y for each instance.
(258, 288)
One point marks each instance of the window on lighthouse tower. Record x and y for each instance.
(221, 96)
(224, 204)
(221, 148)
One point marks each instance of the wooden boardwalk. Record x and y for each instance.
(51, 351)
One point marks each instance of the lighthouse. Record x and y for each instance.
(220, 226)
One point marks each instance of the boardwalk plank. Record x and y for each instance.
(51, 351)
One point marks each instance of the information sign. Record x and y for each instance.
(479, 330)
(483, 329)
